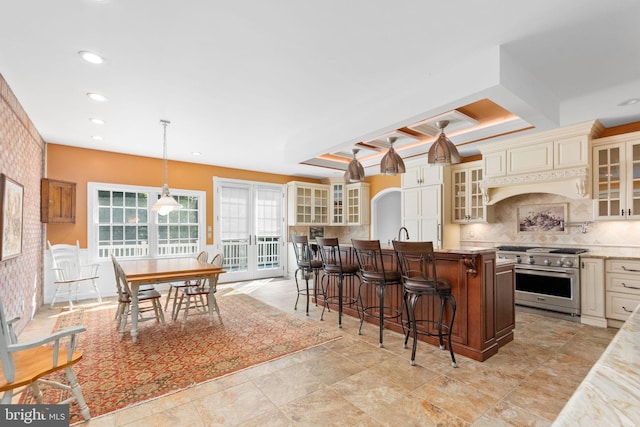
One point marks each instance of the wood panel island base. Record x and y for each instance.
(484, 292)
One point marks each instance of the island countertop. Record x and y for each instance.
(610, 393)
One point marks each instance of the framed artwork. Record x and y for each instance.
(11, 198)
(542, 218)
(315, 232)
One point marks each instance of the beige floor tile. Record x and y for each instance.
(273, 418)
(233, 406)
(504, 413)
(367, 390)
(414, 410)
(180, 416)
(462, 400)
(543, 394)
(324, 407)
(287, 384)
(352, 382)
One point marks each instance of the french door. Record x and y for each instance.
(249, 228)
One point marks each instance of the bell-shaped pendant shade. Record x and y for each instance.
(392, 164)
(443, 151)
(165, 203)
(355, 170)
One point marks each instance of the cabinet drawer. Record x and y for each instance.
(620, 306)
(626, 283)
(623, 266)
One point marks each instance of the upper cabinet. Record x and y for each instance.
(557, 161)
(422, 174)
(335, 203)
(616, 177)
(467, 199)
(58, 201)
(308, 203)
(357, 196)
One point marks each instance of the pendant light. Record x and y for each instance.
(355, 170)
(166, 203)
(443, 151)
(392, 164)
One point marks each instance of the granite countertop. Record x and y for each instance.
(610, 393)
(465, 250)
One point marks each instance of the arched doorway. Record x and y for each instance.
(386, 216)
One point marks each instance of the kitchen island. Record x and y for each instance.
(484, 293)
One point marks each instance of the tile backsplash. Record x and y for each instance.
(621, 237)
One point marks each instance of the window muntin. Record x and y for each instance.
(122, 223)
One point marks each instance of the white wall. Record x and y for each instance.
(386, 216)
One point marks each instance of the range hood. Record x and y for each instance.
(571, 183)
(556, 162)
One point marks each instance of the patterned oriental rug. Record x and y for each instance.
(116, 374)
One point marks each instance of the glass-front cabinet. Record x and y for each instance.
(337, 203)
(616, 177)
(467, 201)
(308, 204)
(357, 198)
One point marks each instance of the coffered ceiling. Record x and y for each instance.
(291, 86)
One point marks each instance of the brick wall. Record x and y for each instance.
(22, 159)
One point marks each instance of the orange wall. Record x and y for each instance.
(380, 182)
(81, 165)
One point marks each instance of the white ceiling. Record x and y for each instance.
(265, 85)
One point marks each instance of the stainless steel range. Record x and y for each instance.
(546, 278)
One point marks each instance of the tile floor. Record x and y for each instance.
(352, 382)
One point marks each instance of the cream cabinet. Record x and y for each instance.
(467, 198)
(357, 203)
(337, 202)
(308, 204)
(616, 177)
(425, 205)
(622, 287)
(592, 292)
(348, 203)
(422, 174)
(422, 213)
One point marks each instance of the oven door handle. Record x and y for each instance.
(548, 271)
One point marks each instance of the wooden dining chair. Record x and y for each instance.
(148, 301)
(172, 294)
(27, 364)
(200, 298)
(69, 271)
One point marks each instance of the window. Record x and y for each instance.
(122, 223)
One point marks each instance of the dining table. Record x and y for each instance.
(162, 270)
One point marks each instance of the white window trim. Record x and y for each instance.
(154, 192)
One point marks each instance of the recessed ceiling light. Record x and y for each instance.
(195, 153)
(91, 57)
(97, 137)
(630, 101)
(96, 121)
(97, 97)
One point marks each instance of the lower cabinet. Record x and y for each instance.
(622, 288)
(505, 301)
(592, 304)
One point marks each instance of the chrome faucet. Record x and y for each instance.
(406, 233)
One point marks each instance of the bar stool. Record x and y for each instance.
(417, 264)
(307, 265)
(372, 272)
(334, 268)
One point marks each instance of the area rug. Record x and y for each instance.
(115, 374)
